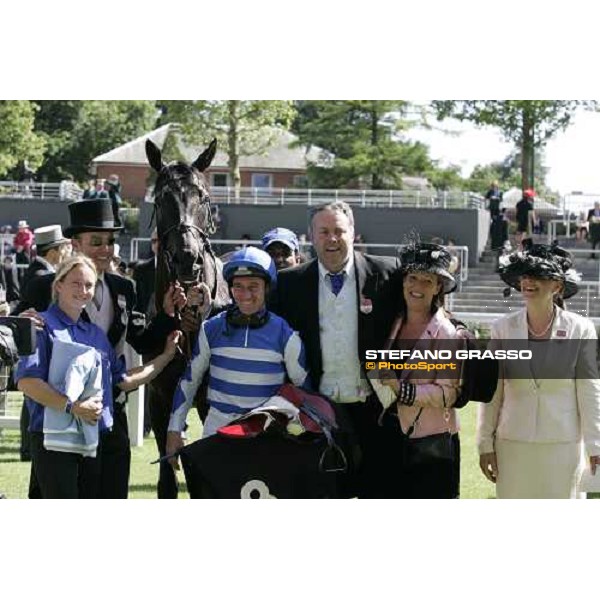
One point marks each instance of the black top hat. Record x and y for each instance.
(430, 258)
(91, 215)
(542, 261)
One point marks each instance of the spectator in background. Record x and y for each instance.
(582, 227)
(10, 280)
(68, 189)
(52, 247)
(525, 216)
(282, 246)
(494, 199)
(97, 191)
(22, 243)
(90, 191)
(113, 188)
(454, 267)
(594, 221)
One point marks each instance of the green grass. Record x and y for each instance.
(14, 474)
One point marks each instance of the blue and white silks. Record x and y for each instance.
(246, 367)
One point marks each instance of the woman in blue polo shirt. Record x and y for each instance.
(70, 474)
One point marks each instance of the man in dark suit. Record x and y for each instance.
(594, 221)
(51, 249)
(342, 303)
(92, 231)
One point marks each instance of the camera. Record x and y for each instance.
(17, 338)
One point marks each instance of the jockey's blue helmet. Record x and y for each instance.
(250, 262)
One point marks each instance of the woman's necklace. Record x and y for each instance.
(542, 333)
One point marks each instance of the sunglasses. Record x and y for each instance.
(97, 242)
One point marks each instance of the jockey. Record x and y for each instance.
(248, 351)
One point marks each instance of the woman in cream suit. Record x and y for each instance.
(530, 436)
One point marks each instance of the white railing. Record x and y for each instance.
(362, 198)
(462, 252)
(65, 191)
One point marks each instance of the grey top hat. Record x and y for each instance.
(49, 236)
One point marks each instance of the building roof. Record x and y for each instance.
(281, 155)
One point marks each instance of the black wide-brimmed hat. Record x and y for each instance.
(431, 258)
(542, 261)
(91, 215)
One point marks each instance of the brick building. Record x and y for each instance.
(281, 166)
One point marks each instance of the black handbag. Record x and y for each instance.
(425, 450)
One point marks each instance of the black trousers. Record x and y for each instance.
(396, 478)
(362, 483)
(115, 458)
(25, 450)
(63, 475)
(160, 411)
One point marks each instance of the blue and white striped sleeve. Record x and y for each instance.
(190, 382)
(295, 360)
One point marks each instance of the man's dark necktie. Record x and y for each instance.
(337, 282)
(98, 294)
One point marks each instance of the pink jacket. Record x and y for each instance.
(435, 394)
(23, 238)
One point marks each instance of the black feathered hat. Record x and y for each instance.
(542, 261)
(431, 258)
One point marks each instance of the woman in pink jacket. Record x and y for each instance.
(419, 437)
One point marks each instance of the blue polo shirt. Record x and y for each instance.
(61, 326)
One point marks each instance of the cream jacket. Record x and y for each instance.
(546, 410)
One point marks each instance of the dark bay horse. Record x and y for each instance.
(184, 222)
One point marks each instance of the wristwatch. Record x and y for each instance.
(68, 406)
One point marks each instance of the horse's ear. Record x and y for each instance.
(203, 161)
(154, 156)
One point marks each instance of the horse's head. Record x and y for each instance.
(183, 214)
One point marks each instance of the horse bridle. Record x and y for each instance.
(183, 227)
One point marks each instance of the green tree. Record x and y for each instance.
(508, 173)
(78, 130)
(447, 178)
(18, 140)
(365, 137)
(242, 127)
(528, 123)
